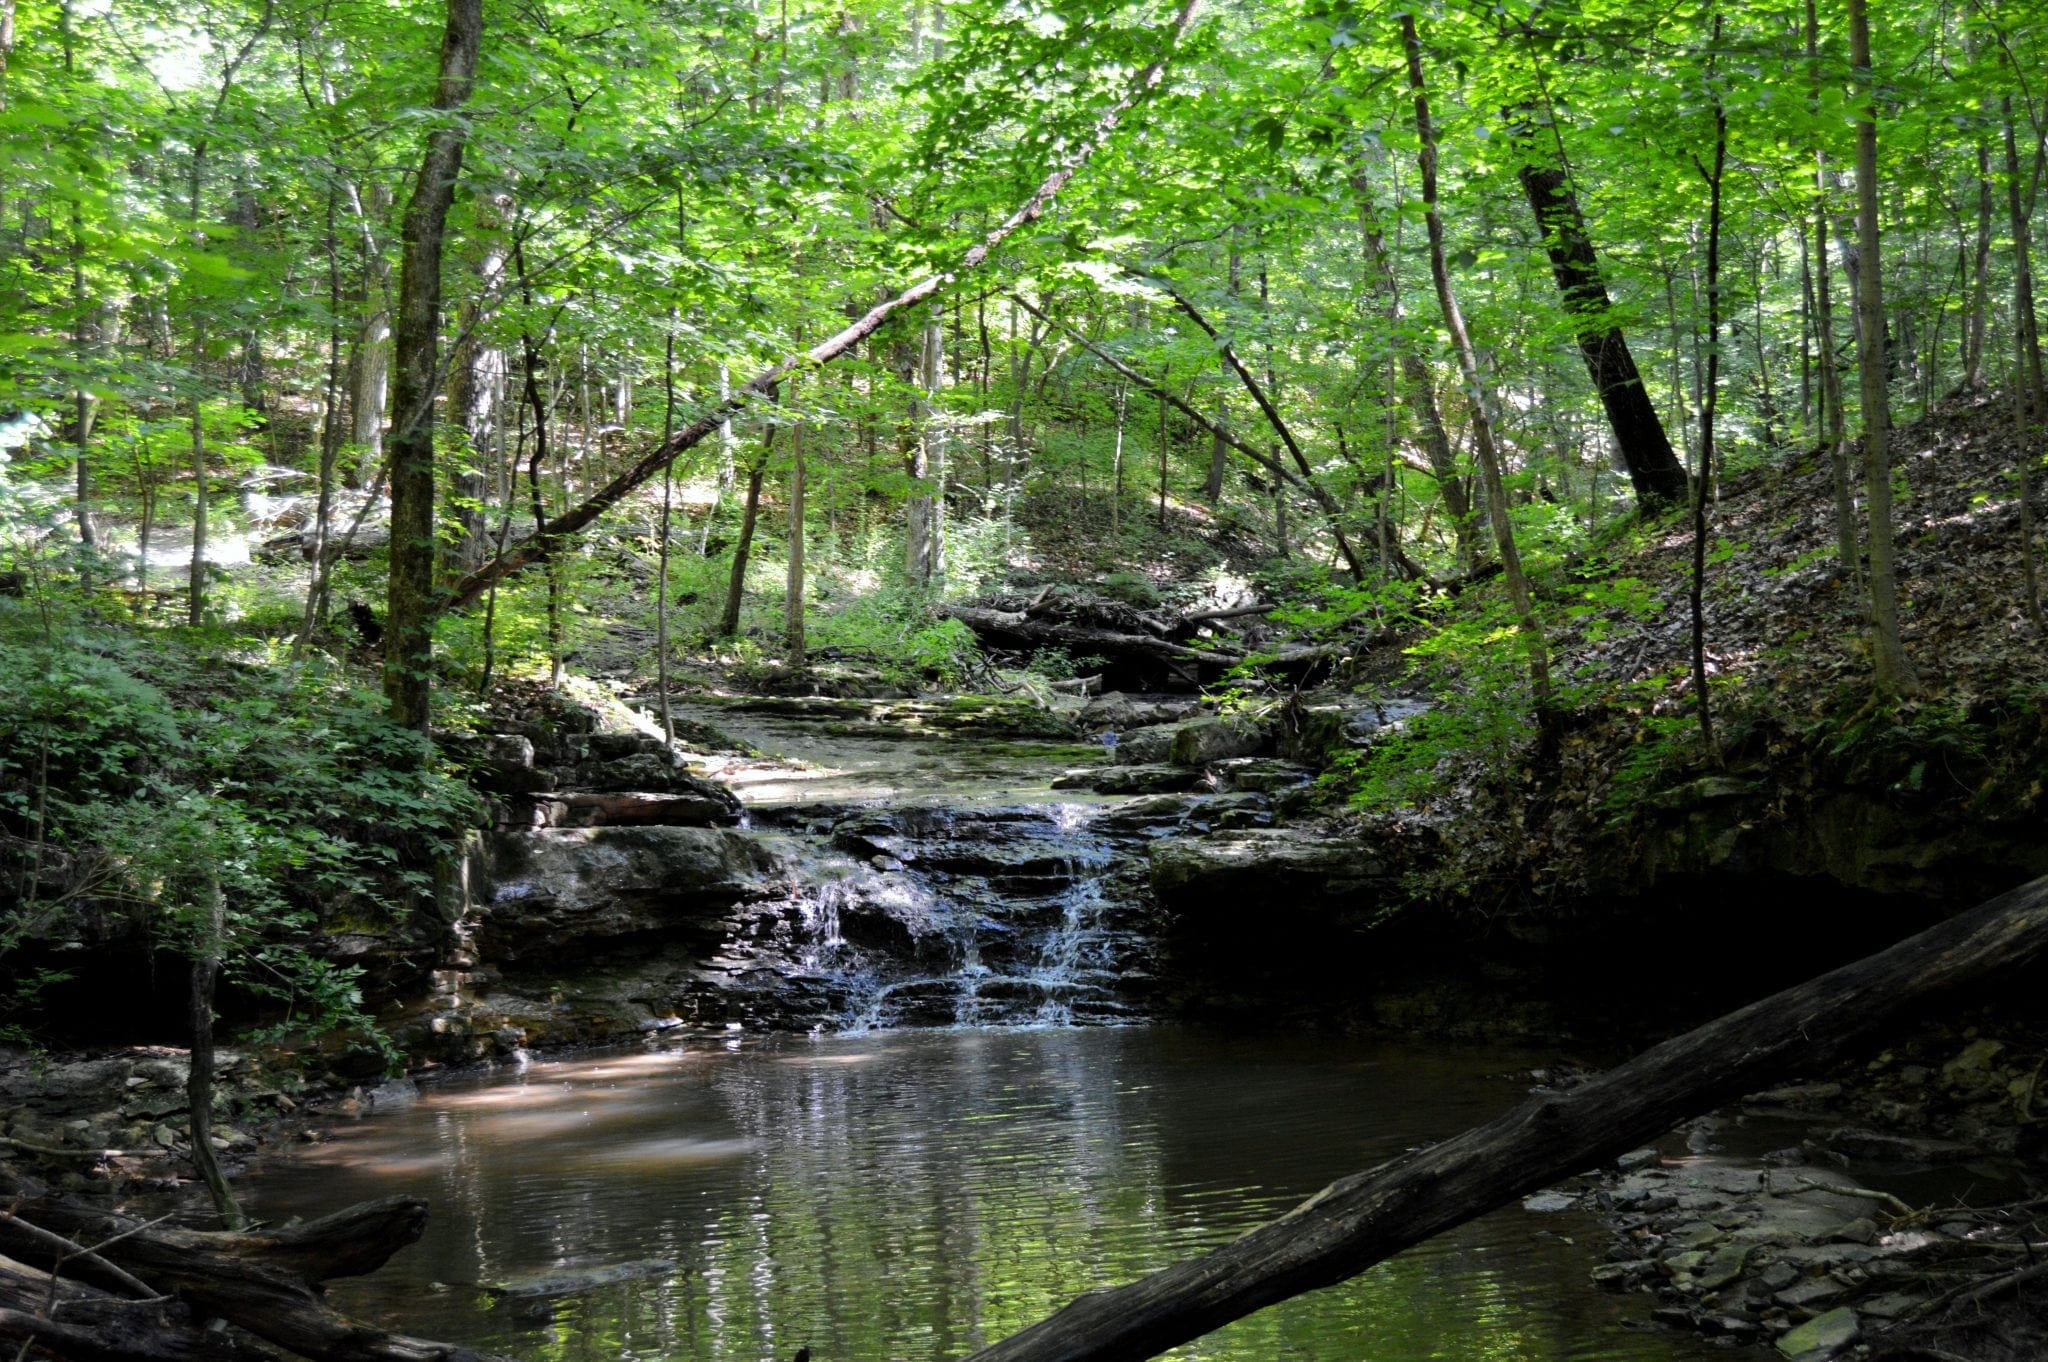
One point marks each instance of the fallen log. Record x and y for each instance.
(266, 1282)
(1017, 628)
(1369, 1217)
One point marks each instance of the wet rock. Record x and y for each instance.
(1261, 775)
(1822, 1336)
(1545, 1203)
(1637, 1158)
(1811, 1294)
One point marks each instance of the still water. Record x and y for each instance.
(897, 1197)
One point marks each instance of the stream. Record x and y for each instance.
(886, 1130)
(913, 1195)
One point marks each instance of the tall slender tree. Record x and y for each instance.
(408, 632)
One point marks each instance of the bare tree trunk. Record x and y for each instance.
(330, 444)
(1980, 296)
(199, 1078)
(1893, 672)
(1421, 384)
(736, 585)
(1468, 362)
(668, 428)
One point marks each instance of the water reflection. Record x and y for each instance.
(915, 1195)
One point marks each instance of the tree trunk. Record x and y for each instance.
(1369, 1217)
(1709, 406)
(1468, 362)
(2030, 402)
(793, 594)
(1658, 477)
(736, 585)
(199, 1078)
(1980, 295)
(1332, 512)
(408, 628)
(1848, 542)
(1421, 384)
(1893, 674)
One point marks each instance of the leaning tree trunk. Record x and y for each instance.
(408, 637)
(1655, 471)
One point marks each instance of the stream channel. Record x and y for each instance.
(881, 1190)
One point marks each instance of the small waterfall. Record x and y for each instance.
(919, 916)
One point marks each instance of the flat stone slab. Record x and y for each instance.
(1823, 1335)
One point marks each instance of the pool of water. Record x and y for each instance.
(905, 1196)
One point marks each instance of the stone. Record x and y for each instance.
(1861, 1230)
(1262, 775)
(1545, 1203)
(706, 807)
(561, 886)
(1975, 1059)
(1724, 1266)
(1778, 1276)
(1810, 1294)
(1198, 742)
(1147, 746)
(1637, 1158)
(1292, 866)
(1147, 779)
(1823, 1335)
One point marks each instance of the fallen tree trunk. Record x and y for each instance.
(1368, 1217)
(1015, 628)
(266, 1282)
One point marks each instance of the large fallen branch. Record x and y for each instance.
(1367, 1218)
(266, 1282)
(555, 531)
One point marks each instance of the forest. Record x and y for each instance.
(842, 670)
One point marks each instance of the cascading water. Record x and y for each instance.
(973, 917)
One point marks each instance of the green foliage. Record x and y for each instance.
(897, 630)
(1475, 669)
(151, 777)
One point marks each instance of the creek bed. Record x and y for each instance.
(895, 1197)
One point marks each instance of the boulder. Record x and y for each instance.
(1147, 746)
(1198, 742)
